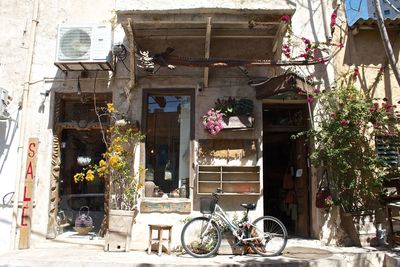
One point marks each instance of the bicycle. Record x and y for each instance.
(201, 236)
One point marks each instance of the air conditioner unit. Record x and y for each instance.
(84, 47)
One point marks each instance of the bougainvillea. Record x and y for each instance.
(347, 123)
(212, 121)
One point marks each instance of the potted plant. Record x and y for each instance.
(122, 177)
(237, 112)
(229, 113)
(347, 123)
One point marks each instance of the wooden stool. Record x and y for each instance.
(160, 239)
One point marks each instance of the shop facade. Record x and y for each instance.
(165, 88)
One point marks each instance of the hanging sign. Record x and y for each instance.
(30, 173)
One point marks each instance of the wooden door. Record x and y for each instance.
(302, 188)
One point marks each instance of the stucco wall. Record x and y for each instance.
(307, 22)
(14, 43)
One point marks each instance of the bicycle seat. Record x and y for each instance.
(249, 206)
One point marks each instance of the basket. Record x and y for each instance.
(207, 205)
(83, 230)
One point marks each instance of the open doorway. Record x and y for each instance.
(286, 179)
(77, 141)
(79, 149)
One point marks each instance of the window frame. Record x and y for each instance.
(169, 92)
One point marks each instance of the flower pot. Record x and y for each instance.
(119, 232)
(238, 122)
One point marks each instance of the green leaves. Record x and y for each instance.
(347, 122)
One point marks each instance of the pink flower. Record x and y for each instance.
(376, 104)
(333, 114)
(333, 18)
(304, 55)
(356, 72)
(306, 41)
(285, 18)
(310, 99)
(372, 109)
(344, 122)
(317, 90)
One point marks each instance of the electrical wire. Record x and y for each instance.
(392, 6)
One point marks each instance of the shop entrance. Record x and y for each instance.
(286, 179)
(77, 143)
(79, 149)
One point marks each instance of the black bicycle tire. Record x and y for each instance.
(186, 248)
(282, 226)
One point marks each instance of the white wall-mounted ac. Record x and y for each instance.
(84, 47)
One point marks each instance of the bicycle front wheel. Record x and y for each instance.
(201, 237)
(271, 236)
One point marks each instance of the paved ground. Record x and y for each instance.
(297, 253)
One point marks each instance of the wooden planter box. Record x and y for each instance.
(238, 122)
(119, 232)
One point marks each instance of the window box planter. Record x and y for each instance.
(238, 122)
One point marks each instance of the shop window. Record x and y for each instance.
(168, 132)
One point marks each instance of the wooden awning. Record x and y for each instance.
(200, 27)
(288, 82)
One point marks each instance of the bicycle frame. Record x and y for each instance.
(220, 213)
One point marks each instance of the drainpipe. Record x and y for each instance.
(22, 122)
(327, 29)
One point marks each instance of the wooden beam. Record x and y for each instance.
(244, 24)
(129, 32)
(278, 39)
(279, 35)
(200, 37)
(207, 50)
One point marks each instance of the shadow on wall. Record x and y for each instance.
(8, 130)
(366, 48)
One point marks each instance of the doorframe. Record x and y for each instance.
(282, 103)
(58, 127)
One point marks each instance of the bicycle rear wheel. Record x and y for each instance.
(272, 236)
(201, 237)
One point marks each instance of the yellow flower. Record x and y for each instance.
(118, 148)
(114, 160)
(102, 163)
(110, 107)
(102, 171)
(89, 175)
(78, 177)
